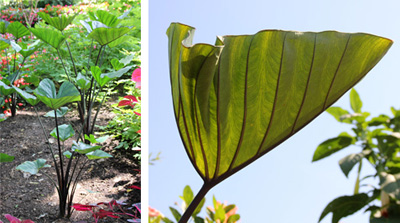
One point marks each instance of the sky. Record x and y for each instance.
(283, 186)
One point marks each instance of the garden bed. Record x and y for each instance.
(34, 197)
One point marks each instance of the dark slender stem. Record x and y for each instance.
(62, 199)
(65, 69)
(15, 56)
(97, 112)
(72, 59)
(196, 201)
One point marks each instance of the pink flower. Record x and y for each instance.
(154, 213)
(136, 76)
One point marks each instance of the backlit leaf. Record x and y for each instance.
(18, 30)
(355, 101)
(52, 37)
(107, 35)
(332, 145)
(59, 22)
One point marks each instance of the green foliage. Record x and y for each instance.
(379, 142)
(6, 158)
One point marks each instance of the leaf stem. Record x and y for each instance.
(196, 201)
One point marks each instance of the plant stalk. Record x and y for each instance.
(196, 201)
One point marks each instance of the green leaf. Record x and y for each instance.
(120, 40)
(6, 158)
(60, 112)
(390, 184)
(198, 220)
(32, 167)
(82, 82)
(355, 101)
(332, 145)
(97, 154)
(339, 114)
(345, 206)
(83, 148)
(233, 218)
(31, 99)
(18, 30)
(46, 92)
(107, 18)
(116, 64)
(239, 99)
(175, 213)
(5, 90)
(199, 207)
(394, 219)
(127, 60)
(94, 140)
(65, 131)
(348, 162)
(3, 26)
(107, 35)
(59, 22)
(26, 51)
(187, 195)
(103, 79)
(67, 154)
(3, 45)
(52, 37)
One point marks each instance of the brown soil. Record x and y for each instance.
(34, 197)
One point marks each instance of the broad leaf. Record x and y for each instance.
(59, 22)
(119, 41)
(6, 158)
(60, 112)
(84, 148)
(4, 44)
(65, 131)
(239, 99)
(348, 162)
(97, 154)
(3, 26)
(116, 64)
(175, 213)
(103, 79)
(107, 35)
(5, 89)
(345, 206)
(32, 167)
(355, 101)
(107, 18)
(67, 154)
(52, 37)
(46, 92)
(31, 99)
(26, 51)
(94, 140)
(82, 82)
(18, 30)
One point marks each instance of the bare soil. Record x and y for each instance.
(34, 197)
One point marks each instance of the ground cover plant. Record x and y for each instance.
(378, 139)
(236, 101)
(84, 83)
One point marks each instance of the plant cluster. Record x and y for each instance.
(378, 141)
(219, 213)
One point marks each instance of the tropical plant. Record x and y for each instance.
(238, 100)
(13, 219)
(379, 141)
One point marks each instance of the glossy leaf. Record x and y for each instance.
(52, 37)
(46, 92)
(6, 158)
(103, 79)
(84, 148)
(97, 154)
(31, 99)
(18, 30)
(60, 112)
(5, 89)
(59, 22)
(348, 162)
(239, 99)
(332, 145)
(32, 167)
(345, 206)
(107, 35)
(355, 101)
(65, 131)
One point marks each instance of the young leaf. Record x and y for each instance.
(82, 82)
(67, 154)
(348, 162)
(97, 154)
(83, 148)
(18, 30)
(116, 64)
(175, 213)
(238, 100)
(6, 158)
(60, 112)
(355, 101)
(46, 92)
(103, 79)
(345, 206)
(187, 195)
(32, 167)
(332, 145)
(66, 132)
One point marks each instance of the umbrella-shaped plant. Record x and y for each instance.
(238, 99)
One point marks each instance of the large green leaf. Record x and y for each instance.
(97, 154)
(239, 99)
(31, 99)
(52, 37)
(18, 30)
(59, 22)
(26, 50)
(32, 167)
(107, 18)
(3, 26)
(103, 79)
(46, 92)
(65, 131)
(107, 35)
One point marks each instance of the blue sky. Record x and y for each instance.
(282, 186)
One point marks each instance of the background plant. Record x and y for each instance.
(378, 142)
